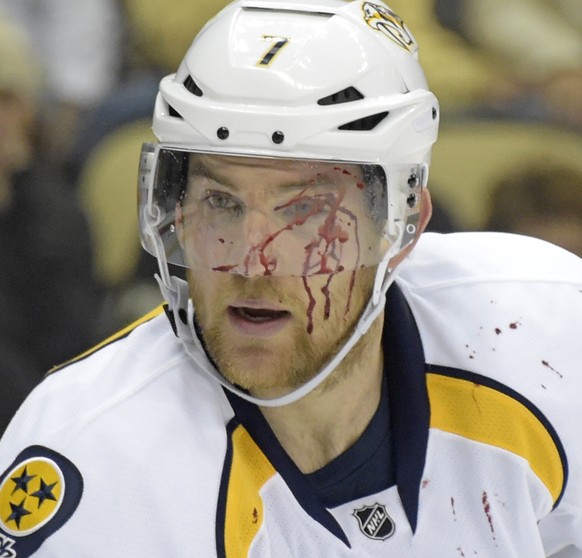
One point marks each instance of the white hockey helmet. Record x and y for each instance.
(326, 82)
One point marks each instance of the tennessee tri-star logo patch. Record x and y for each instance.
(38, 494)
(375, 522)
(30, 496)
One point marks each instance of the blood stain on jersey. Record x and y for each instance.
(375, 522)
(548, 365)
(383, 19)
(487, 510)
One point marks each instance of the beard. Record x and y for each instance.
(324, 310)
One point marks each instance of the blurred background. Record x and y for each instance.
(78, 79)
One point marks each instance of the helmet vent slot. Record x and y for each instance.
(344, 96)
(365, 124)
(191, 86)
(173, 112)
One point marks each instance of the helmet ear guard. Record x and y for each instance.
(416, 182)
(405, 231)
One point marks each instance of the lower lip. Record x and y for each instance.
(249, 328)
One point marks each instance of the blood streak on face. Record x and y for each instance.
(312, 230)
(322, 255)
(224, 268)
(317, 204)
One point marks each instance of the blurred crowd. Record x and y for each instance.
(78, 79)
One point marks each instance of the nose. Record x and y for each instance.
(259, 234)
(257, 226)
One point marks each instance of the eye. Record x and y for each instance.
(223, 201)
(305, 207)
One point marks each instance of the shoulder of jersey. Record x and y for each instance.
(439, 259)
(115, 370)
(151, 325)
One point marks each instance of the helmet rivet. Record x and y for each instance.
(278, 137)
(223, 133)
(434, 113)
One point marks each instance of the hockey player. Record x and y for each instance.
(327, 383)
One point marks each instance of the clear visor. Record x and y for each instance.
(266, 216)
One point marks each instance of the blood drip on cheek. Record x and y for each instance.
(310, 306)
(322, 256)
(331, 236)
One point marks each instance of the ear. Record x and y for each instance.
(425, 214)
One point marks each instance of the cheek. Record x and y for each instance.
(336, 301)
(204, 291)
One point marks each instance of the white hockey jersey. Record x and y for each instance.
(475, 450)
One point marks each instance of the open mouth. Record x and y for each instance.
(258, 319)
(258, 315)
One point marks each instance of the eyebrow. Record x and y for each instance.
(200, 169)
(319, 179)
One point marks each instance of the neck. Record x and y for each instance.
(322, 425)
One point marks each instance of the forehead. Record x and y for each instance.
(239, 170)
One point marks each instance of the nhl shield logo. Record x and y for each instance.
(375, 522)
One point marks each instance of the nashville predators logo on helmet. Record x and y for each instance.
(383, 19)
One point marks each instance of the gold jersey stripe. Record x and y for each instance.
(250, 470)
(121, 333)
(486, 415)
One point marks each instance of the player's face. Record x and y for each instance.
(265, 217)
(269, 332)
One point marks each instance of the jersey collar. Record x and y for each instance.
(409, 404)
(409, 416)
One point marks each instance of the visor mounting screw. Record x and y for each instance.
(413, 181)
(223, 133)
(278, 137)
(411, 201)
